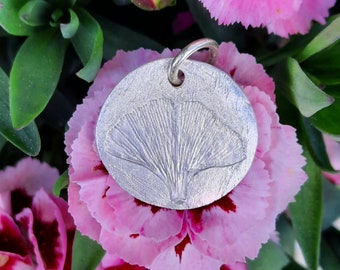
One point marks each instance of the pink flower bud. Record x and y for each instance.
(153, 4)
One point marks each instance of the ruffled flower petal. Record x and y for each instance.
(46, 230)
(232, 214)
(283, 143)
(11, 261)
(29, 175)
(153, 222)
(19, 184)
(26, 220)
(281, 17)
(11, 242)
(184, 256)
(134, 248)
(300, 20)
(110, 262)
(244, 69)
(36, 232)
(82, 218)
(172, 258)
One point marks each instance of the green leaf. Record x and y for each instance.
(3, 33)
(61, 183)
(2, 141)
(86, 253)
(117, 37)
(63, 4)
(306, 213)
(27, 139)
(291, 48)
(34, 75)
(56, 15)
(69, 29)
(331, 204)
(325, 65)
(325, 38)
(271, 257)
(316, 146)
(293, 266)
(9, 18)
(328, 259)
(299, 89)
(88, 43)
(330, 249)
(35, 13)
(327, 120)
(286, 234)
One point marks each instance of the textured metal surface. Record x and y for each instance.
(177, 147)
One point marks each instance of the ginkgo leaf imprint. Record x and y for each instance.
(175, 142)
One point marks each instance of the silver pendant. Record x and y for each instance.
(177, 142)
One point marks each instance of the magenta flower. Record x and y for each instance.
(279, 17)
(36, 231)
(333, 150)
(223, 233)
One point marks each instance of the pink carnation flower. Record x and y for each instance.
(110, 262)
(223, 233)
(36, 231)
(333, 150)
(281, 17)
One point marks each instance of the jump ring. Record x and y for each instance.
(186, 52)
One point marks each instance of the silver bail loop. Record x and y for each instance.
(174, 67)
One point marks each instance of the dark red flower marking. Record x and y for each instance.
(179, 248)
(196, 216)
(10, 238)
(134, 235)
(68, 260)
(104, 194)
(154, 209)
(232, 72)
(20, 200)
(100, 167)
(47, 236)
(225, 203)
(125, 266)
(225, 267)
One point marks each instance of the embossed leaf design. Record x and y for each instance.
(175, 142)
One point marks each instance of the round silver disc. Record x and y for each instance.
(177, 147)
